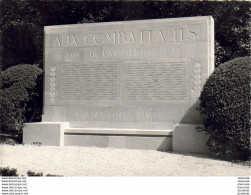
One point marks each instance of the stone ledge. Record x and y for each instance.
(160, 143)
(117, 131)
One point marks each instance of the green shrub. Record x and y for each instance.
(225, 106)
(17, 89)
(6, 171)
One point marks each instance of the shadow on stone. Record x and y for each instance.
(186, 137)
(166, 145)
(192, 115)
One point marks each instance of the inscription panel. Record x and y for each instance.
(156, 80)
(92, 81)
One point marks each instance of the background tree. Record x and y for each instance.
(21, 31)
(22, 22)
(17, 93)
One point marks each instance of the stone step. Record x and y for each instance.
(118, 131)
(145, 139)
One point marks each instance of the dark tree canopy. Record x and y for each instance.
(22, 22)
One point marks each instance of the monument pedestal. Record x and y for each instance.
(120, 138)
(61, 134)
(183, 137)
(44, 133)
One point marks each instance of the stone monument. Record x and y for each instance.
(130, 84)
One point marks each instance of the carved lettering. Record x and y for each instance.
(193, 35)
(128, 37)
(172, 34)
(131, 38)
(160, 37)
(156, 81)
(97, 81)
(127, 52)
(122, 38)
(99, 38)
(82, 114)
(111, 38)
(86, 39)
(72, 55)
(65, 40)
(100, 115)
(57, 42)
(93, 54)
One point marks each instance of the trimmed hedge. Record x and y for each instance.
(225, 106)
(17, 89)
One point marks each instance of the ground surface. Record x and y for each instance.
(90, 161)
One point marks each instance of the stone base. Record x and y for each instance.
(184, 137)
(45, 133)
(119, 138)
(126, 142)
(187, 139)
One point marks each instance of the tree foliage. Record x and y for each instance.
(21, 30)
(22, 22)
(22, 34)
(18, 85)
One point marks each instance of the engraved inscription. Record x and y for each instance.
(130, 37)
(72, 55)
(79, 114)
(156, 81)
(130, 114)
(172, 51)
(100, 114)
(123, 114)
(65, 40)
(96, 81)
(127, 52)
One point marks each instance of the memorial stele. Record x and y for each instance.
(128, 84)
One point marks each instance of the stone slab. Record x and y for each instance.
(160, 143)
(103, 131)
(130, 74)
(45, 133)
(125, 84)
(187, 139)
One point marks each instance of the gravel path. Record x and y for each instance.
(91, 161)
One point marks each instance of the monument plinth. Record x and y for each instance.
(130, 80)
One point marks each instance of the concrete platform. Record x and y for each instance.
(118, 131)
(182, 138)
(119, 138)
(115, 141)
